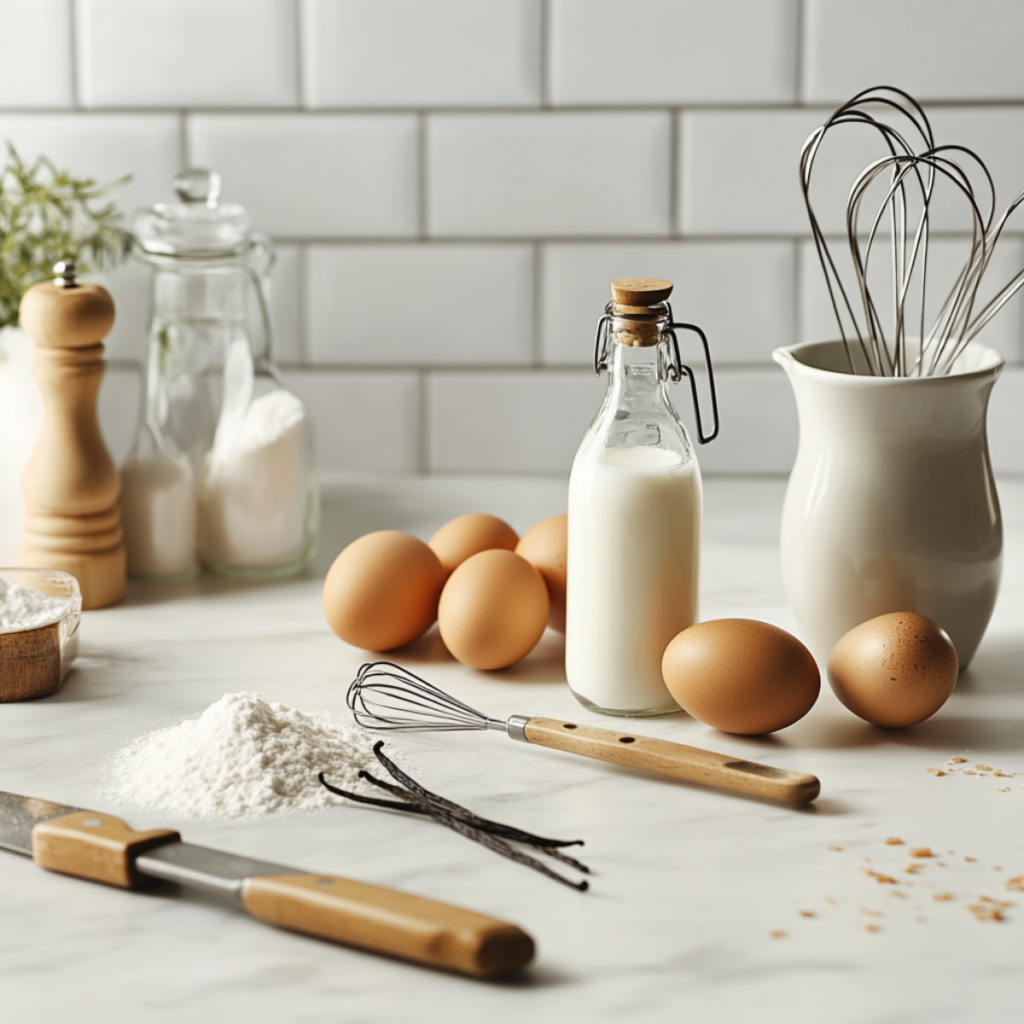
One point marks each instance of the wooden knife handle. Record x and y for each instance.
(673, 759)
(388, 921)
(96, 846)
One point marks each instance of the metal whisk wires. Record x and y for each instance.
(914, 166)
(386, 696)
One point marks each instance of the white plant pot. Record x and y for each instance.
(21, 417)
(891, 505)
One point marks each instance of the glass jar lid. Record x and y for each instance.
(198, 226)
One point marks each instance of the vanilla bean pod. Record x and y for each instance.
(466, 825)
(487, 839)
(485, 824)
(416, 799)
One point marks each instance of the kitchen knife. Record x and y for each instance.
(100, 847)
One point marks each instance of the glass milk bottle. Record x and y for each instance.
(634, 511)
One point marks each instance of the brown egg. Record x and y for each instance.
(894, 670)
(545, 547)
(493, 609)
(469, 534)
(382, 590)
(741, 675)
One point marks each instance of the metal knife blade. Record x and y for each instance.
(20, 814)
(99, 846)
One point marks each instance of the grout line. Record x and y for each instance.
(302, 264)
(300, 56)
(538, 302)
(73, 56)
(186, 158)
(423, 222)
(801, 21)
(486, 369)
(661, 239)
(798, 290)
(422, 438)
(545, 56)
(675, 185)
(751, 106)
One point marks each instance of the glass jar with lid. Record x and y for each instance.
(215, 404)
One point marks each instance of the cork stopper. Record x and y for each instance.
(639, 293)
(635, 322)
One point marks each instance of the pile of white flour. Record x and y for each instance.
(244, 757)
(26, 608)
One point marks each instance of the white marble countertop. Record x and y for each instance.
(688, 885)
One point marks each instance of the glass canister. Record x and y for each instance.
(215, 402)
(635, 508)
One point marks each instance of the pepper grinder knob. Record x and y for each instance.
(71, 485)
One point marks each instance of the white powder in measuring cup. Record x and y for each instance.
(26, 608)
(158, 513)
(254, 497)
(244, 757)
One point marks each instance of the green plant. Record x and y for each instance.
(46, 216)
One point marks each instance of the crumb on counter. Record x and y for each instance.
(983, 767)
(971, 860)
(957, 760)
(894, 841)
(1016, 883)
(936, 772)
(836, 849)
(920, 851)
(941, 897)
(777, 933)
(808, 913)
(872, 928)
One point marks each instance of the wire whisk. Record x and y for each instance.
(386, 696)
(912, 167)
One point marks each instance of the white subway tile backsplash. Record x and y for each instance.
(119, 409)
(187, 53)
(363, 422)
(935, 50)
(104, 147)
(946, 258)
(452, 185)
(36, 67)
(130, 287)
(510, 422)
(739, 293)
(286, 305)
(996, 134)
(759, 427)
(739, 171)
(421, 304)
(315, 175)
(534, 422)
(1006, 422)
(548, 174)
(421, 53)
(668, 52)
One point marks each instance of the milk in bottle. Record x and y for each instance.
(634, 516)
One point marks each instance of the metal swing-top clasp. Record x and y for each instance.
(669, 358)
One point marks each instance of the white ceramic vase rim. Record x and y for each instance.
(789, 357)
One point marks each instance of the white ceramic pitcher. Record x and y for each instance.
(891, 504)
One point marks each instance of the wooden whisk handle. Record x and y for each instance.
(677, 761)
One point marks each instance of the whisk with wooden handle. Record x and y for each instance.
(386, 696)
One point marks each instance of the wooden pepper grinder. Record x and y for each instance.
(70, 485)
